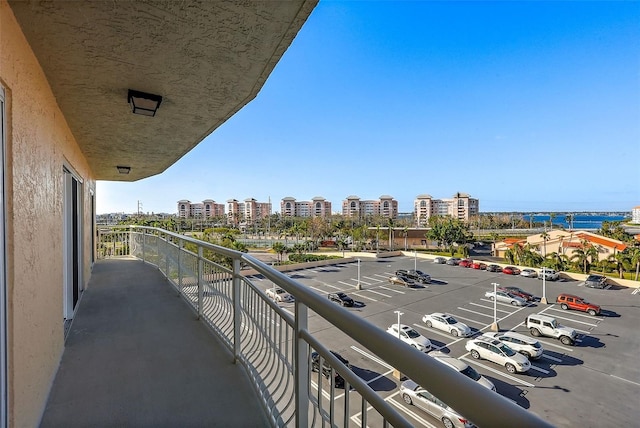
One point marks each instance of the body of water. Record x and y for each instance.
(579, 221)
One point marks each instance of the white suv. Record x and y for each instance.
(410, 336)
(279, 295)
(542, 325)
(527, 346)
(497, 352)
(548, 274)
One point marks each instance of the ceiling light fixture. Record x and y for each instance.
(123, 169)
(143, 103)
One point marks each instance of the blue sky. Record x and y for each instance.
(527, 106)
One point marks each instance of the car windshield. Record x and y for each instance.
(412, 333)
(471, 373)
(341, 295)
(508, 351)
(280, 291)
(451, 320)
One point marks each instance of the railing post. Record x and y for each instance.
(237, 310)
(144, 239)
(301, 367)
(200, 281)
(166, 255)
(180, 246)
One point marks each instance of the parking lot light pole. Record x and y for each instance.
(543, 299)
(359, 286)
(415, 260)
(495, 326)
(396, 372)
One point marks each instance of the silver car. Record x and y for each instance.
(414, 394)
(504, 297)
(448, 323)
(526, 345)
(464, 368)
(493, 350)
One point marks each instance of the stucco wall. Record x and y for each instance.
(38, 144)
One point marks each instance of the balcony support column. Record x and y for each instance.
(301, 366)
(144, 239)
(180, 249)
(200, 281)
(237, 311)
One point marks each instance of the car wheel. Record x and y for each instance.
(428, 323)
(564, 306)
(475, 354)
(447, 423)
(407, 399)
(510, 368)
(492, 298)
(534, 332)
(566, 340)
(454, 332)
(526, 354)
(514, 302)
(592, 312)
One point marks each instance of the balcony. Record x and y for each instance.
(135, 354)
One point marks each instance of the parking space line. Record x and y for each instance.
(377, 292)
(372, 357)
(573, 320)
(331, 285)
(391, 289)
(540, 369)
(491, 369)
(441, 333)
(489, 307)
(626, 380)
(353, 285)
(474, 312)
(635, 291)
(509, 305)
(545, 343)
(466, 319)
(573, 313)
(374, 279)
(411, 413)
(364, 297)
(549, 357)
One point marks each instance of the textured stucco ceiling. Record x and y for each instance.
(207, 59)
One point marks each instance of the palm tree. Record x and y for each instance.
(279, 248)
(405, 232)
(584, 255)
(551, 217)
(390, 223)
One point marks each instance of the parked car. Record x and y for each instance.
(326, 367)
(529, 273)
(415, 275)
(464, 368)
(340, 298)
(479, 265)
(548, 274)
(527, 346)
(543, 325)
(402, 280)
(569, 301)
(410, 336)
(448, 323)
(503, 296)
(440, 260)
(414, 394)
(465, 263)
(516, 291)
(595, 281)
(279, 295)
(511, 270)
(453, 261)
(496, 351)
(494, 268)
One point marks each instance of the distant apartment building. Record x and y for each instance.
(385, 206)
(247, 212)
(635, 215)
(460, 206)
(317, 207)
(205, 209)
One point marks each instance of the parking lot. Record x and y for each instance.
(596, 382)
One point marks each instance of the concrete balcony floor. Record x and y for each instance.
(135, 356)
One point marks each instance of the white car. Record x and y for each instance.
(464, 368)
(503, 296)
(527, 346)
(548, 274)
(410, 336)
(448, 323)
(440, 260)
(279, 295)
(495, 351)
(528, 273)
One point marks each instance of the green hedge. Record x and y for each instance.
(303, 258)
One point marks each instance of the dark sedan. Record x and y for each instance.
(595, 281)
(340, 298)
(516, 291)
(494, 268)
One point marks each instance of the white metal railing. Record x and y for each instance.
(275, 347)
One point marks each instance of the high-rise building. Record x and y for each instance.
(461, 206)
(247, 212)
(204, 210)
(317, 207)
(385, 206)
